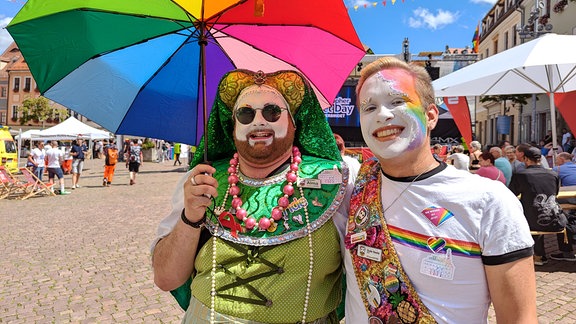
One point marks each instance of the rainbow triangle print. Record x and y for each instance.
(437, 215)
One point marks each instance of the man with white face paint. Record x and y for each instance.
(428, 243)
(254, 237)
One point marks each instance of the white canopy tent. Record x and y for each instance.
(27, 134)
(71, 129)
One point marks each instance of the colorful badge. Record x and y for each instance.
(437, 215)
(361, 217)
(330, 176)
(438, 266)
(369, 253)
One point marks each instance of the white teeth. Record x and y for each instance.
(388, 132)
(260, 134)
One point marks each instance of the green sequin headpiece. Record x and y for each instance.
(313, 134)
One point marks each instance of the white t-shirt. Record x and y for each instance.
(460, 161)
(487, 222)
(54, 156)
(565, 137)
(38, 155)
(353, 164)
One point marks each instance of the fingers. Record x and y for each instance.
(200, 187)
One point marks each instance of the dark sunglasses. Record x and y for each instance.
(245, 115)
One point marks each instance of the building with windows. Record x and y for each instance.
(16, 85)
(510, 23)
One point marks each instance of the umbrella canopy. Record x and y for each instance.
(152, 70)
(544, 65)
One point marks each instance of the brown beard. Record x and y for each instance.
(265, 154)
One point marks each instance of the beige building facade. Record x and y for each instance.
(510, 23)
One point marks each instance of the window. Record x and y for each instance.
(14, 112)
(496, 46)
(515, 37)
(16, 84)
(27, 82)
(505, 40)
(3, 92)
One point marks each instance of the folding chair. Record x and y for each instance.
(5, 183)
(38, 187)
(12, 187)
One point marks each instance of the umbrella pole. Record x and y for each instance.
(553, 120)
(203, 42)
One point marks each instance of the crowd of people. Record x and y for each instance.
(58, 159)
(535, 175)
(276, 209)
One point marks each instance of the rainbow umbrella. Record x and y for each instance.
(151, 68)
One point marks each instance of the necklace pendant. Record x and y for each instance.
(218, 211)
(273, 227)
(298, 218)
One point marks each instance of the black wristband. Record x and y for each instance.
(186, 221)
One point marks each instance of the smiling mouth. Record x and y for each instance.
(260, 135)
(388, 133)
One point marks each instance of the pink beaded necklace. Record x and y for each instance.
(277, 212)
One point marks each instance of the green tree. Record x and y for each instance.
(516, 99)
(40, 109)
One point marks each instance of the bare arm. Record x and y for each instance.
(173, 257)
(513, 291)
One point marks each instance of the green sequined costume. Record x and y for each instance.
(262, 276)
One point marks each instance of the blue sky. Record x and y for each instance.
(430, 25)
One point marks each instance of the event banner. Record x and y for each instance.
(458, 107)
(343, 112)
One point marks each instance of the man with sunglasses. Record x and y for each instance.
(254, 237)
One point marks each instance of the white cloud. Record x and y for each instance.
(5, 38)
(492, 2)
(359, 3)
(423, 18)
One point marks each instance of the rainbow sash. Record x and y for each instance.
(385, 288)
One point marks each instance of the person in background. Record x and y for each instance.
(458, 159)
(502, 163)
(135, 159)
(68, 158)
(510, 152)
(110, 160)
(352, 163)
(78, 152)
(38, 159)
(405, 208)
(55, 158)
(548, 138)
(538, 188)
(488, 170)
(566, 169)
(475, 151)
(566, 137)
(177, 151)
(437, 151)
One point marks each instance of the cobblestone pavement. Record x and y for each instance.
(84, 257)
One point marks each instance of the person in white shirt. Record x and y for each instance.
(55, 158)
(459, 160)
(37, 158)
(427, 243)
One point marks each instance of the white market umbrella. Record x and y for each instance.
(543, 65)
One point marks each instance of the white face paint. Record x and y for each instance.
(261, 131)
(391, 114)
